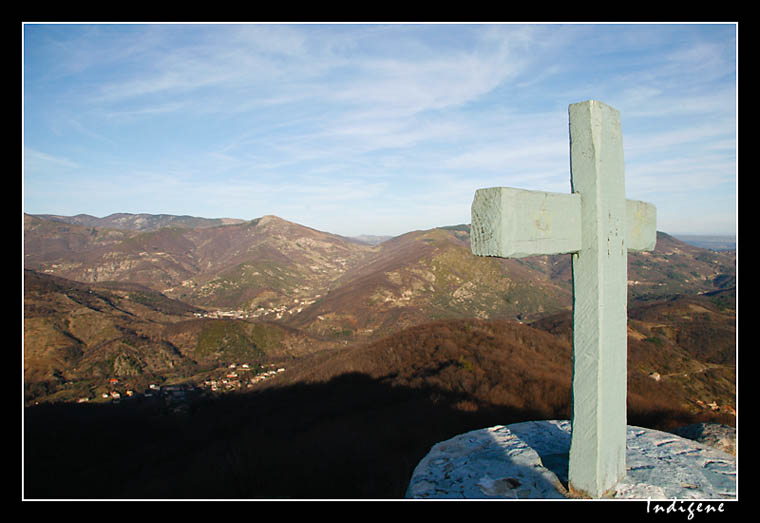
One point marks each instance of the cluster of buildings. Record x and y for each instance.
(239, 377)
(279, 311)
(238, 315)
(235, 377)
(177, 392)
(715, 407)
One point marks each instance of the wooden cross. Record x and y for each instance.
(597, 225)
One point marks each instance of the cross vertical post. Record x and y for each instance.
(597, 225)
(597, 449)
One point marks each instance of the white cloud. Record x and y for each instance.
(36, 161)
(405, 119)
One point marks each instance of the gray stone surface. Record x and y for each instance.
(715, 435)
(530, 461)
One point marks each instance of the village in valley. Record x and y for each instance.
(241, 377)
(261, 312)
(235, 377)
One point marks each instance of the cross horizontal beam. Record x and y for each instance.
(516, 223)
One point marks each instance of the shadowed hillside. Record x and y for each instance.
(681, 354)
(346, 423)
(350, 437)
(481, 363)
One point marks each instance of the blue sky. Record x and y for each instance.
(369, 128)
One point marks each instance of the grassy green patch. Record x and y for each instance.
(228, 340)
(264, 336)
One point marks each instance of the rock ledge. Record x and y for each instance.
(529, 461)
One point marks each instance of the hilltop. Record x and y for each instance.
(263, 263)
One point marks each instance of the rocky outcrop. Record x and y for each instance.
(716, 435)
(529, 461)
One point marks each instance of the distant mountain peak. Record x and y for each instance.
(269, 218)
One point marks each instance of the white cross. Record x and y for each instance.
(598, 226)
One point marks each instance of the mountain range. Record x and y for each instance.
(270, 268)
(97, 297)
(140, 222)
(328, 336)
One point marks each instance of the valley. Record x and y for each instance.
(285, 338)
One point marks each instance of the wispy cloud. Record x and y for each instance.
(37, 160)
(382, 120)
